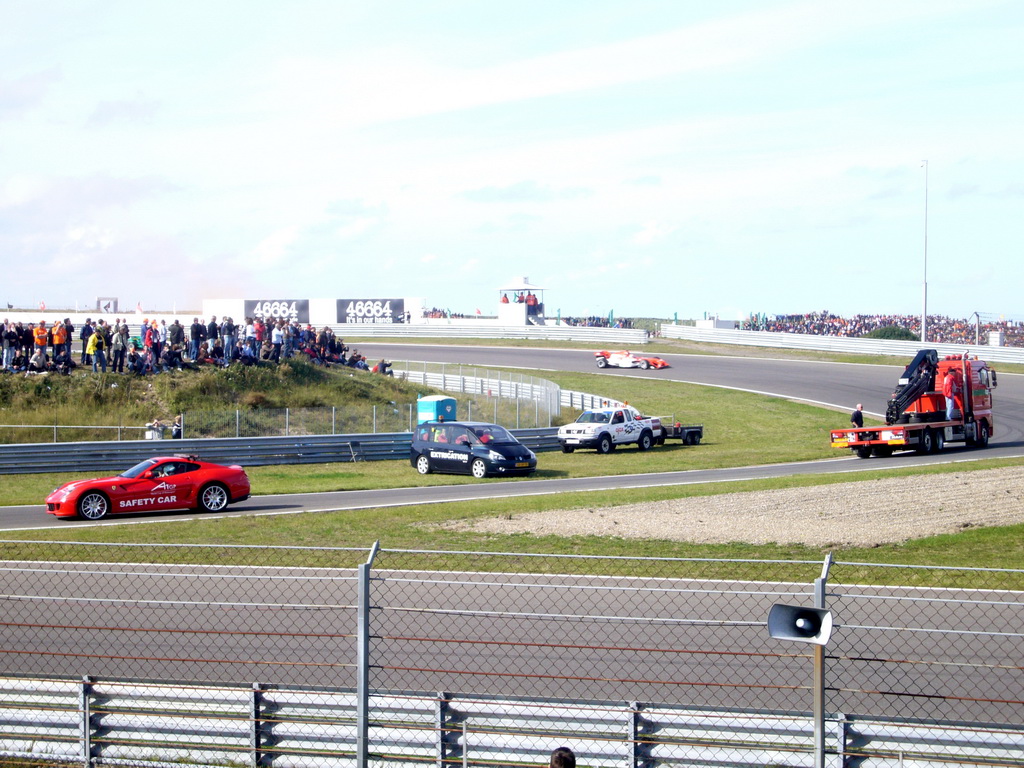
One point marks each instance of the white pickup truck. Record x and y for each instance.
(606, 428)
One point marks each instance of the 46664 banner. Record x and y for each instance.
(371, 311)
(277, 309)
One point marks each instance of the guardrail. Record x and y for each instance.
(837, 343)
(619, 337)
(29, 458)
(150, 723)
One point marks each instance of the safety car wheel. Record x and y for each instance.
(213, 498)
(423, 465)
(93, 506)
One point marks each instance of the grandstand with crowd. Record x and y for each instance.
(941, 329)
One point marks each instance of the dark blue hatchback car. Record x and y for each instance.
(469, 448)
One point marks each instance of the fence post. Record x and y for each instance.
(334, 416)
(375, 419)
(255, 703)
(287, 422)
(820, 585)
(363, 660)
(85, 724)
(237, 419)
(440, 720)
(632, 742)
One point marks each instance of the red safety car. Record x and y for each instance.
(626, 359)
(164, 482)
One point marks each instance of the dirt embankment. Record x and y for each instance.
(860, 514)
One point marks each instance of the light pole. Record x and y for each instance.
(924, 308)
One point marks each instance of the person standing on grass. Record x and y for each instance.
(857, 417)
(96, 349)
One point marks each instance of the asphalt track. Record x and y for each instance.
(838, 385)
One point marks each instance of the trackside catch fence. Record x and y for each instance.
(145, 655)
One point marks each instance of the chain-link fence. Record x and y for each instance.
(939, 647)
(323, 656)
(514, 400)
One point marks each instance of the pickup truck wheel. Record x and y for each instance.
(602, 362)
(567, 449)
(605, 444)
(646, 441)
(926, 444)
(864, 451)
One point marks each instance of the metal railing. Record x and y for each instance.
(841, 344)
(274, 656)
(102, 456)
(455, 329)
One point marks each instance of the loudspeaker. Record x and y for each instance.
(804, 625)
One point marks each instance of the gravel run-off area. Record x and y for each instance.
(858, 514)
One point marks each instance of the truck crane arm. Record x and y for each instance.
(917, 378)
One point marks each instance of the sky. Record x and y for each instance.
(646, 158)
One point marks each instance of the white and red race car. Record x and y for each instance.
(626, 359)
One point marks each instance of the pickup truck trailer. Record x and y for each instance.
(690, 434)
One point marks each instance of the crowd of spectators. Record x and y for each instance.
(595, 321)
(945, 330)
(156, 347)
(435, 313)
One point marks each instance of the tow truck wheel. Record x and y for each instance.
(864, 451)
(926, 443)
(567, 449)
(939, 443)
(882, 451)
(982, 434)
(605, 444)
(646, 441)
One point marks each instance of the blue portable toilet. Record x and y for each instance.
(434, 408)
